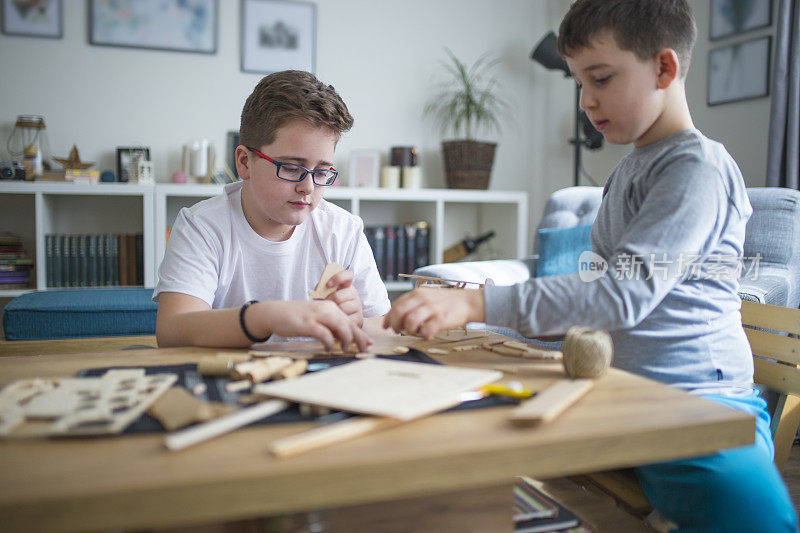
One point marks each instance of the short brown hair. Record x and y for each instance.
(641, 26)
(291, 95)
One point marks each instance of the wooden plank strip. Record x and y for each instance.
(772, 317)
(787, 429)
(551, 402)
(330, 434)
(196, 434)
(774, 346)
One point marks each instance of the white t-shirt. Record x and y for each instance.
(214, 254)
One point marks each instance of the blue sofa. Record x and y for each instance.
(773, 232)
(59, 314)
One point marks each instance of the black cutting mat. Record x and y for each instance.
(188, 377)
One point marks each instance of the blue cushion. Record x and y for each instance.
(559, 249)
(59, 314)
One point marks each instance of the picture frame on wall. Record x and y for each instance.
(125, 155)
(173, 25)
(731, 17)
(739, 71)
(32, 19)
(277, 35)
(364, 168)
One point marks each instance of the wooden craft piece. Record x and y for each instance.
(321, 292)
(465, 348)
(262, 369)
(400, 349)
(79, 406)
(236, 357)
(238, 386)
(460, 334)
(382, 387)
(364, 355)
(294, 369)
(202, 432)
(329, 434)
(435, 351)
(177, 408)
(214, 366)
(426, 281)
(551, 402)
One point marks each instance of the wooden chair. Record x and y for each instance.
(772, 331)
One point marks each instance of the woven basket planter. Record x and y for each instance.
(468, 164)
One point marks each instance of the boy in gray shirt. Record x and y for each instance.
(670, 229)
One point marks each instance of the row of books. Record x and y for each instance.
(399, 249)
(537, 512)
(94, 260)
(15, 265)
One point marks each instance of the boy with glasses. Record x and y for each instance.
(677, 194)
(238, 267)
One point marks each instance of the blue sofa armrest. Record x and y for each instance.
(502, 271)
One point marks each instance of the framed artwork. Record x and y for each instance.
(729, 17)
(124, 156)
(739, 71)
(176, 25)
(42, 18)
(363, 168)
(278, 35)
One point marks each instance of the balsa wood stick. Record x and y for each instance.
(196, 434)
(551, 402)
(330, 434)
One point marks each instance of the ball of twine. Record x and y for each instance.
(587, 352)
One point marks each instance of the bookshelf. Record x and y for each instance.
(34, 209)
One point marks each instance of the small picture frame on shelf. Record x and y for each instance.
(33, 19)
(125, 155)
(731, 17)
(277, 35)
(739, 71)
(172, 25)
(364, 168)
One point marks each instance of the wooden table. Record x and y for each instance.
(133, 482)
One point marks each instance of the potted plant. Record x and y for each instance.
(468, 102)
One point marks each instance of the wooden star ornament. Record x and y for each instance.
(73, 162)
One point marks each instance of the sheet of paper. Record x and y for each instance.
(382, 387)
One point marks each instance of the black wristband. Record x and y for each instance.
(244, 328)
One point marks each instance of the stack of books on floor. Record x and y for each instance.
(94, 260)
(15, 265)
(399, 249)
(535, 512)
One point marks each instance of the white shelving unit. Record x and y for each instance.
(34, 209)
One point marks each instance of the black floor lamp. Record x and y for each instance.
(546, 54)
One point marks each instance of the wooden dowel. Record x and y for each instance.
(330, 434)
(196, 434)
(551, 402)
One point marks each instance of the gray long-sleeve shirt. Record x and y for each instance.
(671, 228)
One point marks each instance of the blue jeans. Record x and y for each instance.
(733, 490)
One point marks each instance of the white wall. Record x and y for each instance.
(382, 56)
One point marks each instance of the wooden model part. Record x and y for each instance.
(521, 349)
(551, 402)
(177, 408)
(329, 434)
(321, 291)
(439, 282)
(262, 369)
(79, 406)
(292, 370)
